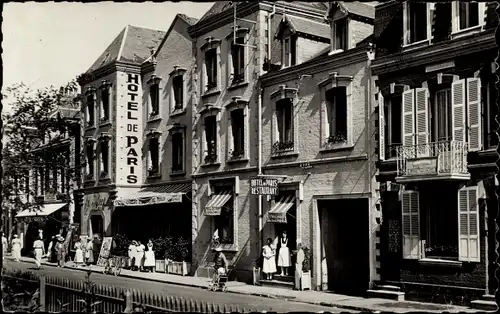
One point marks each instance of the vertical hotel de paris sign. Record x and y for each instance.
(129, 130)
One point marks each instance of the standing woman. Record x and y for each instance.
(139, 255)
(89, 254)
(78, 252)
(284, 255)
(39, 249)
(60, 251)
(149, 260)
(131, 253)
(16, 248)
(269, 265)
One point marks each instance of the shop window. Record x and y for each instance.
(90, 113)
(340, 30)
(289, 51)
(337, 115)
(105, 104)
(104, 147)
(211, 68)
(468, 13)
(177, 152)
(178, 87)
(238, 60)
(284, 114)
(154, 99)
(154, 156)
(441, 117)
(415, 28)
(238, 132)
(211, 139)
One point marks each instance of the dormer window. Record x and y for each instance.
(340, 35)
(415, 15)
(289, 51)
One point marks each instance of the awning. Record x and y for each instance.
(158, 194)
(44, 210)
(215, 204)
(277, 214)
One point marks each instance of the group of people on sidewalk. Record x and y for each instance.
(87, 251)
(141, 258)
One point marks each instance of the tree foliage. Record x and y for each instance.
(32, 131)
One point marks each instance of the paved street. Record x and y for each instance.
(250, 302)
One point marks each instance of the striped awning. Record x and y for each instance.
(277, 214)
(215, 204)
(45, 210)
(158, 194)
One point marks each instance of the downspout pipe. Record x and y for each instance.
(259, 160)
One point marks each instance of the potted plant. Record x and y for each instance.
(120, 249)
(161, 247)
(305, 278)
(178, 254)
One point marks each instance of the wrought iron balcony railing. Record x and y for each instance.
(447, 157)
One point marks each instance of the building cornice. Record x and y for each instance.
(109, 69)
(435, 53)
(319, 64)
(245, 9)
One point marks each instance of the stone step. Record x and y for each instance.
(388, 288)
(284, 278)
(484, 305)
(277, 283)
(386, 294)
(488, 297)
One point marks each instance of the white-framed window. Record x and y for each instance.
(90, 109)
(391, 124)
(441, 116)
(210, 76)
(289, 48)
(178, 151)
(336, 99)
(285, 117)
(285, 133)
(467, 17)
(211, 139)
(416, 22)
(211, 67)
(340, 37)
(422, 221)
(238, 139)
(178, 89)
(238, 60)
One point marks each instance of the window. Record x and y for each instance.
(211, 68)
(441, 118)
(89, 150)
(178, 86)
(238, 132)
(224, 223)
(284, 114)
(415, 28)
(393, 125)
(289, 52)
(491, 111)
(154, 97)
(340, 27)
(238, 58)
(104, 159)
(337, 114)
(105, 105)
(177, 152)
(90, 110)
(211, 139)
(468, 13)
(154, 154)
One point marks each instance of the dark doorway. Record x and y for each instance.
(97, 225)
(345, 237)
(291, 230)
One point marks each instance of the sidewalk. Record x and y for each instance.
(311, 297)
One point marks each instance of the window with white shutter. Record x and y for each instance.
(422, 121)
(474, 113)
(468, 220)
(408, 118)
(381, 126)
(458, 108)
(410, 218)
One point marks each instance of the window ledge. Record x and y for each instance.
(154, 118)
(105, 123)
(177, 173)
(237, 85)
(211, 93)
(416, 45)
(466, 31)
(212, 164)
(439, 262)
(178, 112)
(237, 160)
(154, 176)
(284, 154)
(336, 147)
(227, 247)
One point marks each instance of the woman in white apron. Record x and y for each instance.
(78, 252)
(139, 255)
(284, 255)
(269, 264)
(16, 248)
(149, 257)
(131, 254)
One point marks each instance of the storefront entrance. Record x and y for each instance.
(345, 242)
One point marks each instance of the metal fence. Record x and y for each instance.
(60, 295)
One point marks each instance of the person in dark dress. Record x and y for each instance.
(96, 248)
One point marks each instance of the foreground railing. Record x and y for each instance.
(438, 158)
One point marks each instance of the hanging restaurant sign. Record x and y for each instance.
(264, 186)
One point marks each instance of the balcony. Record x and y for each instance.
(445, 160)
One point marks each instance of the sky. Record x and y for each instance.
(51, 43)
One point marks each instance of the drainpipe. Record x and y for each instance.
(259, 160)
(269, 19)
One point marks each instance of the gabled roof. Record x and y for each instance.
(299, 25)
(361, 9)
(133, 44)
(190, 20)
